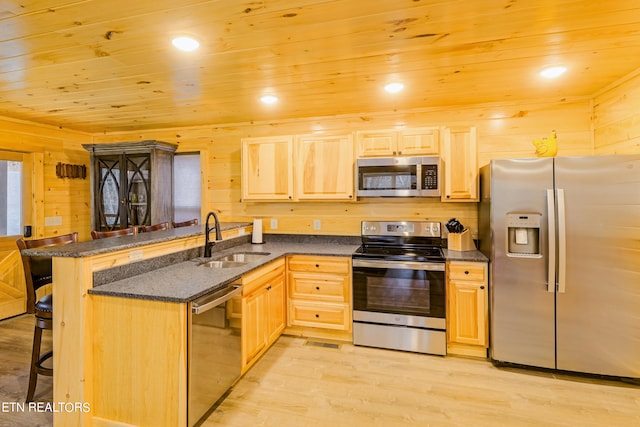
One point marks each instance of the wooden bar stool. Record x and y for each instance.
(155, 227)
(131, 231)
(187, 223)
(37, 273)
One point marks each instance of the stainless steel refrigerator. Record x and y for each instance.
(563, 237)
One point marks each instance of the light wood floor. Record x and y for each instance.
(303, 385)
(16, 340)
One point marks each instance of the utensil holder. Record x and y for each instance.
(460, 241)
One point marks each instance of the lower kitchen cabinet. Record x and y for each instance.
(467, 308)
(263, 310)
(320, 292)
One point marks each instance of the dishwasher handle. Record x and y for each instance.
(214, 299)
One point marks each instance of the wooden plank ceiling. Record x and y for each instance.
(101, 66)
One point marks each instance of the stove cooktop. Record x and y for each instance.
(401, 240)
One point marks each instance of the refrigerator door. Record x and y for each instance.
(522, 309)
(598, 305)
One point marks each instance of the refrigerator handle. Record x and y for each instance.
(562, 243)
(551, 226)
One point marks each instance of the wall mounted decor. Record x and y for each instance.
(64, 170)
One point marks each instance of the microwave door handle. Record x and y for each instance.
(551, 226)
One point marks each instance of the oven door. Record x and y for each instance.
(399, 287)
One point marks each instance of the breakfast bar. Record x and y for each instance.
(122, 318)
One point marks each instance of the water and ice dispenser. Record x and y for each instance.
(523, 234)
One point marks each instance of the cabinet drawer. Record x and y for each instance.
(321, 315)
(474, 271)
(321, 264)
(318, 287)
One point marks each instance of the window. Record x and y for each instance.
(186, 187)
(10, 197)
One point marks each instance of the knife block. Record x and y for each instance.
(460, 241)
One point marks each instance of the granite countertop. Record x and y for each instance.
(102, 246)
(186, 281)
(471, 256)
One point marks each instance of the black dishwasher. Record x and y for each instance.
(214, 350)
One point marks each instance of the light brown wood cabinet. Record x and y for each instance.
(460, 163)
(319, 291)
(267, 168)
(263, 310)
(408, 142)
(467, 308)
(324, 167)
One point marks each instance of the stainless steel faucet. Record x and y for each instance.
(208, 244)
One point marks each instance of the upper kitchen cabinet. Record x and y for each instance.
(132, 183)
(460, 162)
(408, 142)
(267, 169)
(324, 167)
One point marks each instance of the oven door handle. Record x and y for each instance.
(404, 265)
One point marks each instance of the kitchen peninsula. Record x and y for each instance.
(121, 304)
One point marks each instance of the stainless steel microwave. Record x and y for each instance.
(399, 177)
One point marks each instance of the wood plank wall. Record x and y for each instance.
(608, 124)
(54, 197)
(616, 112)
(504, 130)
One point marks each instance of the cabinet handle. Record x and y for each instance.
(466, 272)
(448, 196)
(481, 287)
(394, 153)
(269, 287)
(317, 288)
(317, 265)
(317, 316)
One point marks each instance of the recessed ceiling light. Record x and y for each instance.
(553, 72)
(394, 87)
(184, 43)
(269, 99)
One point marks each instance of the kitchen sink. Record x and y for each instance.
(221, 264)
(234, 260)
(243, 257)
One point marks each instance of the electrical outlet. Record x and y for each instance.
(274, 224)
(316, 224)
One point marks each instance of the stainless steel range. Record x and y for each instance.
(399, 287)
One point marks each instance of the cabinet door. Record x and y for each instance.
(110, 205)
(324, 167)
(276, 316)
(267, 172)
(419, 142)
(138, 191)
(460, 161)
(467, 308)
(377, 143)
(254, 328)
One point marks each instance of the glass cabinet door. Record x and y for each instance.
(107, 198)
(123, 191)
(139, 189)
